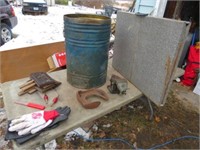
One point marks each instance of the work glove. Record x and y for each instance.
(63, 115)
(33, 122)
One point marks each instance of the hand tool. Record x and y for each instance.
(117, 85)
(54, 101)
(32, 105)
(44, 96)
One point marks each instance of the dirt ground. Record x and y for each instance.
(131, 123)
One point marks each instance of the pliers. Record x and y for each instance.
(45, 97)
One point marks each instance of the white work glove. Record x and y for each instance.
(33, 122)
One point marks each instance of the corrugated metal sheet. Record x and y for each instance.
(146, 52)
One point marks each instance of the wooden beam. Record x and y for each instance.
(19, 63)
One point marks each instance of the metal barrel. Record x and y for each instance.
(86, 43)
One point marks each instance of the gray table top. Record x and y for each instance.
(67, 96)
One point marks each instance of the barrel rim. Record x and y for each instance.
(87, 18)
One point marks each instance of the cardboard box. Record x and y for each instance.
(57, 61)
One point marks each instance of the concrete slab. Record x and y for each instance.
(67, 96)
(185, 94)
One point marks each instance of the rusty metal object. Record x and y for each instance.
(117, 85)
(83, 95)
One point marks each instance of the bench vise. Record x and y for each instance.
(117, 85)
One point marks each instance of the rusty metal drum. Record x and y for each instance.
(86, 43)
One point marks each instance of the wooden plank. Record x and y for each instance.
(67, 96)
(27, 83)
(19, 63)
(28, 86)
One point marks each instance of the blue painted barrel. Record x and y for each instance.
(86, 43)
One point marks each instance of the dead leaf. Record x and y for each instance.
(157, 119)
(125, 123)
(165, 117)
(138, 129)
(132, 135)
(102, 134)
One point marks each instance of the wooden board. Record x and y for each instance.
(19, 63)
(67, 96)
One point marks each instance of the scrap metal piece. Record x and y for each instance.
(147, 57)
(117, 85)
(83, 95)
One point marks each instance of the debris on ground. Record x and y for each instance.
(3, 127)
(51, 145)
(70, 136)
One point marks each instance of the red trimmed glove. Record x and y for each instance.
(33, 122)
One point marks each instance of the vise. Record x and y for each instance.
(117, 85)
